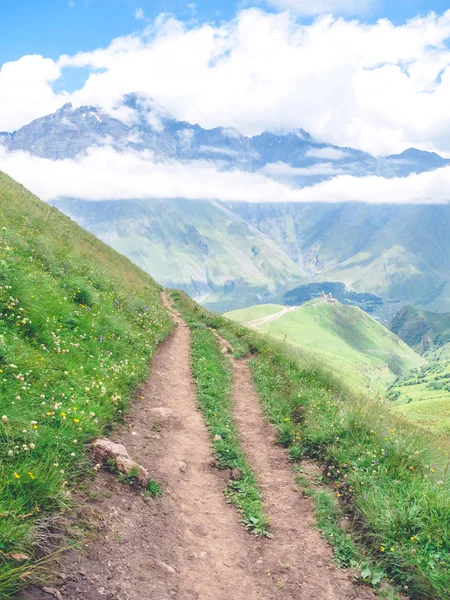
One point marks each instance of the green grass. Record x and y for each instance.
(357, 348)
(423, 394)
(389, 477)
(252, 313)
(214, 381)
(78, 326)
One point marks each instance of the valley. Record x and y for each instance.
(229, 255)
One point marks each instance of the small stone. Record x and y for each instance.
(167, 567)
(224, 350)
(235, 475)
(126, 465)
(106, 449)
(182, 466)
(217, 438)
(162, 411)
(53, 592)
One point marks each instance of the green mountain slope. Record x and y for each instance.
(350, 342)
(78, 325)
(420, 329)
(395, 251)
(423, 394)
(198, 246)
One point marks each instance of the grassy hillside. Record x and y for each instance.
(252, 313)
(423, 394)
(78, 325)
(420, 329)
(355, 346)
(198, 246)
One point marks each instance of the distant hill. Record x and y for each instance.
(420, 329)
(348, 341)
(308, 291)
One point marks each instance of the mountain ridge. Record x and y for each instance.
(71, 130)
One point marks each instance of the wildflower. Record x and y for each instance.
(76, 421)
(16, 475)
(10, 453)
(5, 419)
(382, 548)
(412, 538)
(31, 475)
(32, 446)
(75, 442)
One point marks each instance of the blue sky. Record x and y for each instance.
(55, 27)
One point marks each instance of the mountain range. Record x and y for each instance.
(228, 255)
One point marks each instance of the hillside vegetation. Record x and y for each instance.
(78, 325)
(423, 394)
(421, 329)
(386, 476)
(352, 344)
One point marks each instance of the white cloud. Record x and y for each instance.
(327, 153)
(281, 169)
(105, 174)
(26, 90)
(369, 86)
(319, 7)
(139, 14)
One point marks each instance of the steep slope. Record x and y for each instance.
(78, 325)
(197, 246)
(420, 329)
(355, 346)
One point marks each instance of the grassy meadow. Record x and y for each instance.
(351, 343)
(78, 326)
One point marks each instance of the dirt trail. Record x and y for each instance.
(309, 572)
(187, 544)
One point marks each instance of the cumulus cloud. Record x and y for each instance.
(139, 14)
(319, 7)
(26, 91)
(105, 174)
(378, 87)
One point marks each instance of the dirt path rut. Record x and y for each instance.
(299, 560)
